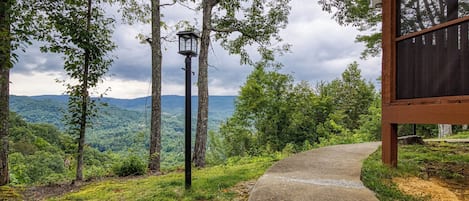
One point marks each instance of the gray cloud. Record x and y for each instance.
(321, 51)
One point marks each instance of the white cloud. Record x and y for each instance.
(37, 83)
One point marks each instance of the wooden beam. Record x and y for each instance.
(388, 83)
(389, 51)
(444, 113)
(434, 28)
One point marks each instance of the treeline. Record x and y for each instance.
(275, 113)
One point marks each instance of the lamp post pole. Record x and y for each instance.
(188, 129)
(188, 47)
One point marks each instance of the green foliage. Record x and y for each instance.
(289, 149)
(120, 126)
(82, 33)
(212, 183)
(41, 154)
(241, 24)
(275, 114)
(460, 135)
(370, 123)
(130, 166)
(351, 94)
(215, 154)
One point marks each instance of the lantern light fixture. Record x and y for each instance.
(188, 43)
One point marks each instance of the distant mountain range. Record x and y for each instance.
(118, 124)
(168, 103)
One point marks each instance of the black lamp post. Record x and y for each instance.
(188, 43)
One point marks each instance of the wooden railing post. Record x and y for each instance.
(389, 144)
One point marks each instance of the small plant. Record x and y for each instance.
(133, 165)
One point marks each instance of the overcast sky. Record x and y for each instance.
(321, 50)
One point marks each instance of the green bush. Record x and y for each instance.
(289, 149)
(133, 165)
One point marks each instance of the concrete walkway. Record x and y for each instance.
(324, 174)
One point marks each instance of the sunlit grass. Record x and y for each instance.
(211, 183)
(8, 193)
(460, 135)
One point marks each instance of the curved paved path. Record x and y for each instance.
(325, 174)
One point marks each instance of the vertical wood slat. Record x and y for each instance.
(426, 62)
(438, 86)
(464, 56)
(451, 67)
(417, 68)
(404, 72)
(401, 53)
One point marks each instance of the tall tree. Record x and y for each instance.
(156, 57)
(237, 25)
(5, 65)
(16, 18)
(137, 11)
(351, 94)
(82, 35)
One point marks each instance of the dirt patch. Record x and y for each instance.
(421, 188)
(42, 192)
(243, 189)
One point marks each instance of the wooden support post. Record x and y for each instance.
(389, 144)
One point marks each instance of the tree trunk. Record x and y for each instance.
(84, 106)
(155, 130)
(5, 64)
(5, 50)
(444, 130)
(202, 114)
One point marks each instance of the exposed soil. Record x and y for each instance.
(421, 188)
(243, 189)
(440, 181)
(42, 192)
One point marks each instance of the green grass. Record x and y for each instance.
(413, 160)
(460, 135)
(211, 183)
(9, 193)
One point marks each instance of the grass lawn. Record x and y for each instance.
(211, 183)
(443, 161)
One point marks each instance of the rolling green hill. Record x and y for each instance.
(124, 123)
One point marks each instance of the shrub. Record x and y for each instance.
(133, 165)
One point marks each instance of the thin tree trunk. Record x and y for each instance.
(5, 50)
(155, 133)
(202, 115)
(84, 106)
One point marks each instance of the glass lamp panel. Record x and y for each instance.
(181, 44)
(187, 44)
(194, 44)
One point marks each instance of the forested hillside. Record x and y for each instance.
(124, 124)
(41, 153)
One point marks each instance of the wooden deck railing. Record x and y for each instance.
(430, 59)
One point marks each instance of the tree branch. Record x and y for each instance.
(168, 4)
(186, 6)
